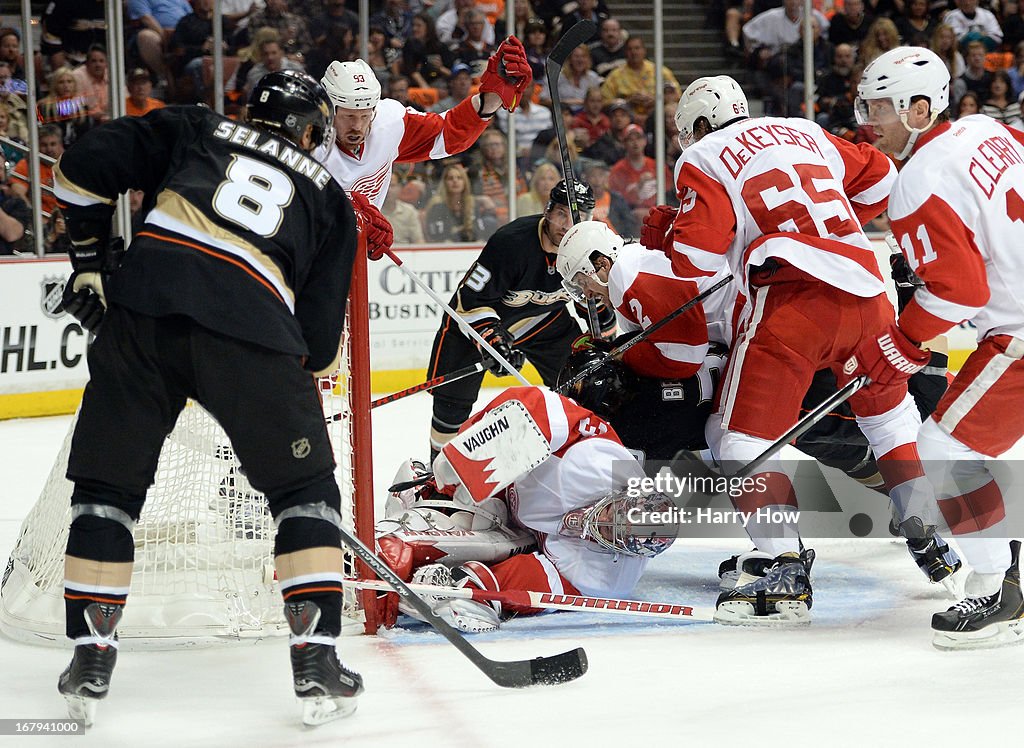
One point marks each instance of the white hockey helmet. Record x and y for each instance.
(717, 98)
(899, 75)
(352, 85)
(622, 522)
(574, 251)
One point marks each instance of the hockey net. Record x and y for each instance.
(204, 568)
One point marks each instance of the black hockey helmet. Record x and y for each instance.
(287, 101)
(560, 196)
(606, 389)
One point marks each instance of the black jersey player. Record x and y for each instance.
(513, 296)
(235, 283)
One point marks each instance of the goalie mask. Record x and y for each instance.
(639, 526)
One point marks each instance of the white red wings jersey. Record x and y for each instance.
(769, 176)
(957, 212)
(587, 462)
(643, 290)
(404, 135)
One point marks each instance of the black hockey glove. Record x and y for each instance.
(499, 338)
(606, 319)
(906, 279)
(84, 295)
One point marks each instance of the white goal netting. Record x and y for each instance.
(204, 569)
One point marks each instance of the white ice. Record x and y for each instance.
(863, 674)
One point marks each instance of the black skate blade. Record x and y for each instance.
(542, 671)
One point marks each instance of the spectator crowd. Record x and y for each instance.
(981, 42)
(428, 56)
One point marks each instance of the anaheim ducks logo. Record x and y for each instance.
(301, 448)
(544, 298)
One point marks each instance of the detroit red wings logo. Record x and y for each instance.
(371, 185)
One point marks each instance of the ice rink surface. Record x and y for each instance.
(864, 673)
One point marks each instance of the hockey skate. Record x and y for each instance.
(781, 597)
(87, 679)
(326, 689)
(986, 621)
(934, 557)
(743, 569)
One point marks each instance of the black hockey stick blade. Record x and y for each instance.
(560, 668)
(406, 484)
(574, 37)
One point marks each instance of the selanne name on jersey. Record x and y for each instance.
(249, 138)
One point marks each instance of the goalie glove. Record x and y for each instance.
(379, 234)
(657, 227)
(887, 359)
(508, 74)
(499, 338)
(467, 616)
(84, 296)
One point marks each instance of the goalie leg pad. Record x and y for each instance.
(481, 460)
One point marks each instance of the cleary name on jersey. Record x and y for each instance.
(513, 280)
(217, 244)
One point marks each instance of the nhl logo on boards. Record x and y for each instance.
(300, 448)
(52, 297)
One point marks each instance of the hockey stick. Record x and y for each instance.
(621, 349)
(559, 668)
(463, 325)
(574, 37)
(798, 429)
(804, 424)
(552, 601)
(452, 376)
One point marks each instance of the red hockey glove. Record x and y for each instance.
(888, 358)
(508, 73)
(379, 234)
(656, 228)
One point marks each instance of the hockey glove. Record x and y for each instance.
(499, 338)
(657, 227)
(84, 295)
(508, 74)
(379, 234)
(587, 342)
(906, 279)
(888, 358)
